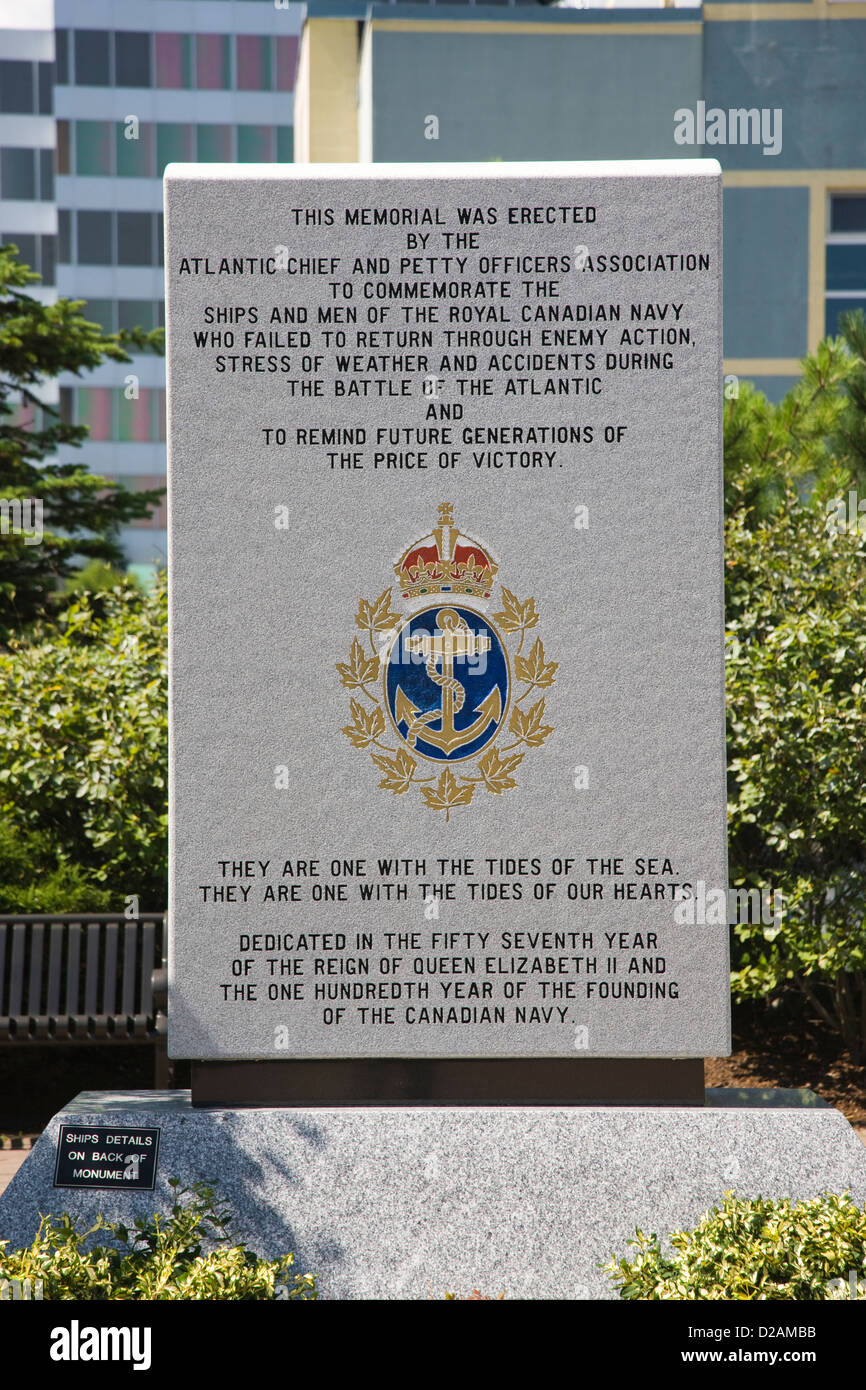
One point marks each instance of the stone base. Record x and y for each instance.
(411, 1202)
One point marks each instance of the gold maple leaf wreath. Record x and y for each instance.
(496, 768)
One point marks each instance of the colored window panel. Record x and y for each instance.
(46, 175)
(848, 214)
(147, 482)
(160, 415)
(95, 411)
(61, 56)
(846, 266)
(93, 147)
(131, 60)
(92, 67)
(255, 144)
(287, 61)
(160, 239)
(134, 150)
(64, 147)
(135, 313)
(28, 250)
(135, 418)
(836, 308)
(45, 84)
(64, 235)
(174, 143)
(18, 174)
(285, 144)
(94, 238)
(135, 238)
(173, 60)
(48, 263)
(214, 144)
(212, 62)
(17, 90)
(100, 311)
(253, 63)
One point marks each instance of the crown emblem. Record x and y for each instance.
(446, 562)
(447, 700)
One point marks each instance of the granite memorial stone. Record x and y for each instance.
(446, 626)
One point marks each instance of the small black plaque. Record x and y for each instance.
(116, 1156)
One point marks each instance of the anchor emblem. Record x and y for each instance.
(445, 698)
(453, 640)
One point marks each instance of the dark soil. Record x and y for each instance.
(783, 1046)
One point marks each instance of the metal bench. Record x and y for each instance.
(83, 978)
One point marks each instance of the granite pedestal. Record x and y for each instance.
(408, 1202)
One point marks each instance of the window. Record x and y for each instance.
(64, 236)
(212, 62)
(45, 81)
(61, 57)
(287, 59)
(135, 238)
(253, 63)
(255, 144)
(91, 58)
(94, 238)
(135, 156)
(173, 60)
(113, 238)
(18, 174)
(136, 313)
(28, 250)
(94, 408)
(285, 144)
(37, 251)
(147, 482)
(100, 311)
(48, 258)
(63, 147)
(132, 60)
(46, 176)
(17, 94)
(845, 257)
(94, 142)
(214, 144)
(135, 418)
(174, 144)
(848, 212)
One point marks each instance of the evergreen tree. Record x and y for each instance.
(81, 513)
(815, 437)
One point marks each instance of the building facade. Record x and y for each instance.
(775, 91)
(96, 96)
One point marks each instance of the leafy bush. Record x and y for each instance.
(159, 1259)
(33, 879)
(83, 745)
(751, 1248)
(796, 649)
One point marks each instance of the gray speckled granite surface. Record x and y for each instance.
(405, 1202)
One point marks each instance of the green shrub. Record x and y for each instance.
(796, 647)
(83, 741)
(160, 1259)
(33, 877)
(752, 1248)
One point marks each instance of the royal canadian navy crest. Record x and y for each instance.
(444, 697)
